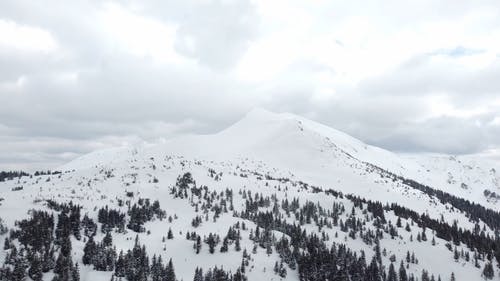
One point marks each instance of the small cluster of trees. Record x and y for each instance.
(219, 274)
(110, 218)
(142, 212)
(10, 175)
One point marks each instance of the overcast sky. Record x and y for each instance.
(412, 76)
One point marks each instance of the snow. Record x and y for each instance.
(280, 145)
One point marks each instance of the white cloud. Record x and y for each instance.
(139, 35)
(440, 106)
(14, 36)
(495, 121)
(102, 73)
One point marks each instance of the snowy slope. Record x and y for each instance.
(303, 146)
(320, 154)
(256, 154)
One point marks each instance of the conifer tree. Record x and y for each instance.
(35, 271)
(198, 244)
(170, 272)
(392, 276)
(75, 273)
(402, 272)
(488, 272)
(89, 251)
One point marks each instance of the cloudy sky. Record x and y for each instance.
(412, 76)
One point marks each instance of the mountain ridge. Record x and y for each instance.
(296, 143)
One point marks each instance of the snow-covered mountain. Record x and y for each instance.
(298, 186)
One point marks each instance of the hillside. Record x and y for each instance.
(272, 197)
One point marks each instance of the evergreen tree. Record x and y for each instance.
(198, 274)
(269, 249)
(35, 271)
(373, 272)
(107, 240)
(392, 276)
(211, 243)
(89, 251)
(425, 275)
(6, 244)
(120, 266)
(402, 272)
(48, 260)
(170, 272)
(156, 269)
(282, 270)
(20, 266)
(224, 247)
(488, 272)
(237, 246)
(75, 273)
(198, 244)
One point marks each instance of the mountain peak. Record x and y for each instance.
(260, 120)
(261, 114)
(287, 131)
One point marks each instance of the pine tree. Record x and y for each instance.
(198, 244)
(156, 269)
(392, 276)
(6, 244)
(239, 276)
(269, 249)
(35, 271)
(48, 260)
(75, 273)
(378, 255)
(488, 272)
(20, 266)
(425, 275)
(237, 246)
(120, 266)
(402, 272)
(372, 271)
(282, 270)
(224, 247)
(198, 274)
(424, 236)
(170, 235)
(89, 251)
(107, 240)
(211, 243)
(170, 272)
